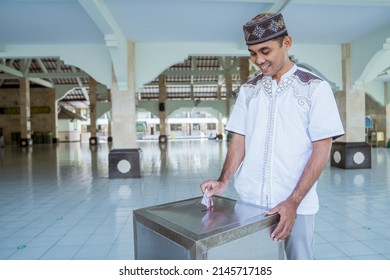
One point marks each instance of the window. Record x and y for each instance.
(211, 126)
(176, 127)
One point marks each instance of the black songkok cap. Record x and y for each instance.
(264, 27)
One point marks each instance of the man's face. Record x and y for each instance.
(272, 57)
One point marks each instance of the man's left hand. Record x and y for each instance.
(287, 211)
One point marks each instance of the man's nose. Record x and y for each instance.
(259, 59)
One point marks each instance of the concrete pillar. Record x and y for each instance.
(355, 102)
(229, 92)
(192, 93)
(218, 92)
(109, 128)
(25, 113)
(93, 140)
(123, 110)
(54, 117)
(125, 159)
(351, 151)
(162, 98)
(244, 69)
(109, 116)
(220, 128)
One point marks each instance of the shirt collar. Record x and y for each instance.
(289, 72)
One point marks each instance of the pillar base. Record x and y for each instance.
(352, 155)
(26, 142)
(93, 141)
(125, 163)
(162, 139)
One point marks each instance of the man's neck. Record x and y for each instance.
(283, 71)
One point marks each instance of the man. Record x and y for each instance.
(283, 124)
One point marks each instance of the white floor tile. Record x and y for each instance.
(56, 202)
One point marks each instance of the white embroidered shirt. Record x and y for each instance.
(280, 122)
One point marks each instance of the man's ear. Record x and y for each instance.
(287, 42)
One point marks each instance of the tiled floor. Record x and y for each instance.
(56, 202)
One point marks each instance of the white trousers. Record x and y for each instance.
(299, 245)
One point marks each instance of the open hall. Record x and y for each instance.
(109, 106)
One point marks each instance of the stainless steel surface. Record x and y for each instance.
(164, 230)
(191, 215)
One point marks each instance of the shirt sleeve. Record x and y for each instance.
(325, 119)
(236, 121)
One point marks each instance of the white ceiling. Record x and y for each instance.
(69, 21)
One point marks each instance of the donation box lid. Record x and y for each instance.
(190, 217)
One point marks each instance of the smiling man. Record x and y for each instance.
(283, 124)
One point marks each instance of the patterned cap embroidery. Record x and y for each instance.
(264, 27)
(273, 26)
(259, 31)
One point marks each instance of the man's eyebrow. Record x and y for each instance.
(260, 50)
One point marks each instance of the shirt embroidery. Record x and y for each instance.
(304, 86)
(265, 195)
(252, 84)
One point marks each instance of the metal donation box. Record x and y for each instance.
(185, 230)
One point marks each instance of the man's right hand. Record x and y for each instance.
(213, 187)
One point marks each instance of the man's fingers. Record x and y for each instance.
(281, 233)
(205, 186)
(282, 230)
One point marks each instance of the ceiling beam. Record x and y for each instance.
(25, 66)
(43, 68)
(155, 84)
(278, 6)
(82, 87)
(47, 75)
(199, 72)
(42, 82)
(16, 73)
(116, 41)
